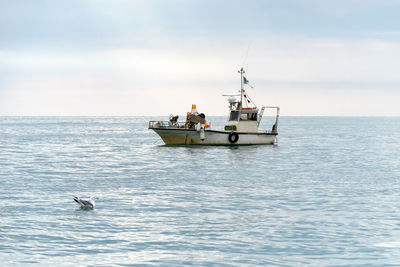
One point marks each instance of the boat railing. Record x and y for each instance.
(165, 124)
(275, 126)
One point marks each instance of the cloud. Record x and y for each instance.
(120, 57)
(161, 80)
(109, 24)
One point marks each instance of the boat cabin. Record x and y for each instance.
(243, 120)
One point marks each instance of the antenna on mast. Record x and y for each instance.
(246, 55)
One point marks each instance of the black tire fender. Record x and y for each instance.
(233, 137)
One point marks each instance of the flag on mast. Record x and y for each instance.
(245, 81)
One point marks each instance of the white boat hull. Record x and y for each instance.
(192, 137)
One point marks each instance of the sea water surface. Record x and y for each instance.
(328, 194)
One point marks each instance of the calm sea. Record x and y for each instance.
(328, 194)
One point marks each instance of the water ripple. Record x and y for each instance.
(326, 195)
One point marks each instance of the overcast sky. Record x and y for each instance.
(158, 57)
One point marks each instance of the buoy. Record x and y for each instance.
(194, 109)
(202, 134)
(197, 127)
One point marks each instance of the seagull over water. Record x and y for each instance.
(86, 204)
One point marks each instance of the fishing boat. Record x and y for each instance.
(241, 129)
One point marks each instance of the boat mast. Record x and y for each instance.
(248, 100)
(241, 71)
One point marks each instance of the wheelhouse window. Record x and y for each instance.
(234, 116)
(252, 116)
(248, 116)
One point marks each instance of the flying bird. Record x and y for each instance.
(86, 204)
